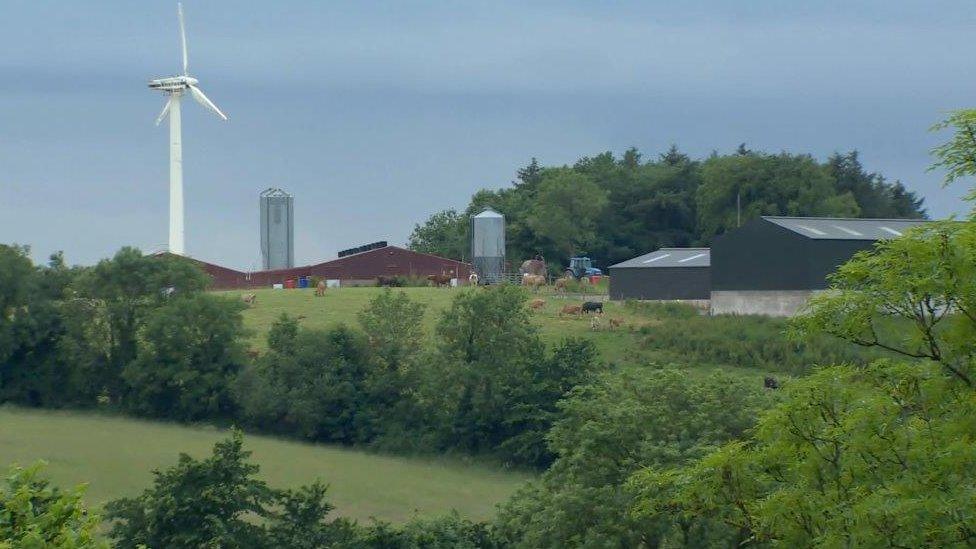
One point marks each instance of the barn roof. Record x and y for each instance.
(669, 257)
(839, 228)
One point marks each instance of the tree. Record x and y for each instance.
(35, 514)
(312, 385)
(445, 234)
(874, 196)
(188, 354)
(611, 428)
(566, 211)
(764, 184)
(219, 502)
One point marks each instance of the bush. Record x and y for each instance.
(747, 341)
(311, 383)
(35, 514)
(662, 309)
(189, 352)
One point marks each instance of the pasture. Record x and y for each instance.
(621, 345)
(115, 456)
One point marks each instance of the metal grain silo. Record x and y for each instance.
(277, 229)
(488, 245)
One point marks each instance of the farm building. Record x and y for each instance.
(668, 274)
(772, 265)
(359, 268)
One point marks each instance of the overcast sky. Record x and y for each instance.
(376, 115)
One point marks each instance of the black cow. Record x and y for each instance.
(593, 307)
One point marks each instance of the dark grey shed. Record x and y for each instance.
(666, 274)
(771, 265)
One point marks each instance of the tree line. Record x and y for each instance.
(615, 208)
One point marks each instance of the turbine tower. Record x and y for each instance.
(176, 86)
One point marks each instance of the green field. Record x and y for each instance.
(115, 457)
(341, 305)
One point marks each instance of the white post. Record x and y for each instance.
(176, 244)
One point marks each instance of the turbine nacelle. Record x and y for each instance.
(173, 83)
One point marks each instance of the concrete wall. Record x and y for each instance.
(764, 302)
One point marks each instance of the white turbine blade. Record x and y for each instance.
(197, 94)
(162, 115)
(186, 62)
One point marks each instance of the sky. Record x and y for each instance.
(375, 115)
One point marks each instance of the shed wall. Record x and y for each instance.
(667, 283)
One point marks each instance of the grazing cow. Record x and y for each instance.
(615, 323)
(770, 383)
(537, 303)
(593, 307)
(249, 298)
(473, 278)
(561, 284)
(595, 323)
(320, 288)
(533, 267)
(570, 310)
(440, 280)
(533, 281)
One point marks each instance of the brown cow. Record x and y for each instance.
(561, 284)
(615, 323)
(320, 288)
(537, 303)
(571, 310)
(533, 281)
(440, 280)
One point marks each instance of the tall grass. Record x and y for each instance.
(745, 341)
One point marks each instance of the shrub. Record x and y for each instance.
(35, 514)
(747, 341)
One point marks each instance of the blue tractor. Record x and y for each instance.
(581, 267)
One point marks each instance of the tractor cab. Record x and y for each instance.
(580, 267)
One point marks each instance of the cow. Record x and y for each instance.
(561, 284)
(440, 280)
(593, 307)
(615, 323)
(473, 278)
(537, 303)
(570, 310)
(249, 298)
(320, 288)
(533, 281)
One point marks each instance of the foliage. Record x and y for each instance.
(914, 295)
(614, 208)
(856, 457)
(610, 428)
(447, 532)
(444, 233)
(35, 514)
(311, 383)
(214, 503)
(491, 388)
(189, 352)
(958, 155)
(746, 341)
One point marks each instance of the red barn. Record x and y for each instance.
(357, 268)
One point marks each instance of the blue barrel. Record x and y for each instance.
(303, 282)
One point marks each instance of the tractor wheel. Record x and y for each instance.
(570, 274)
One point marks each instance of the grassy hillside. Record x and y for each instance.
(116, 455)
(341, 305)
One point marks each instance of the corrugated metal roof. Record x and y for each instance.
(839, 228)
(669, 257)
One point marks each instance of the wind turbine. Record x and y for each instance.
(176, 86)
